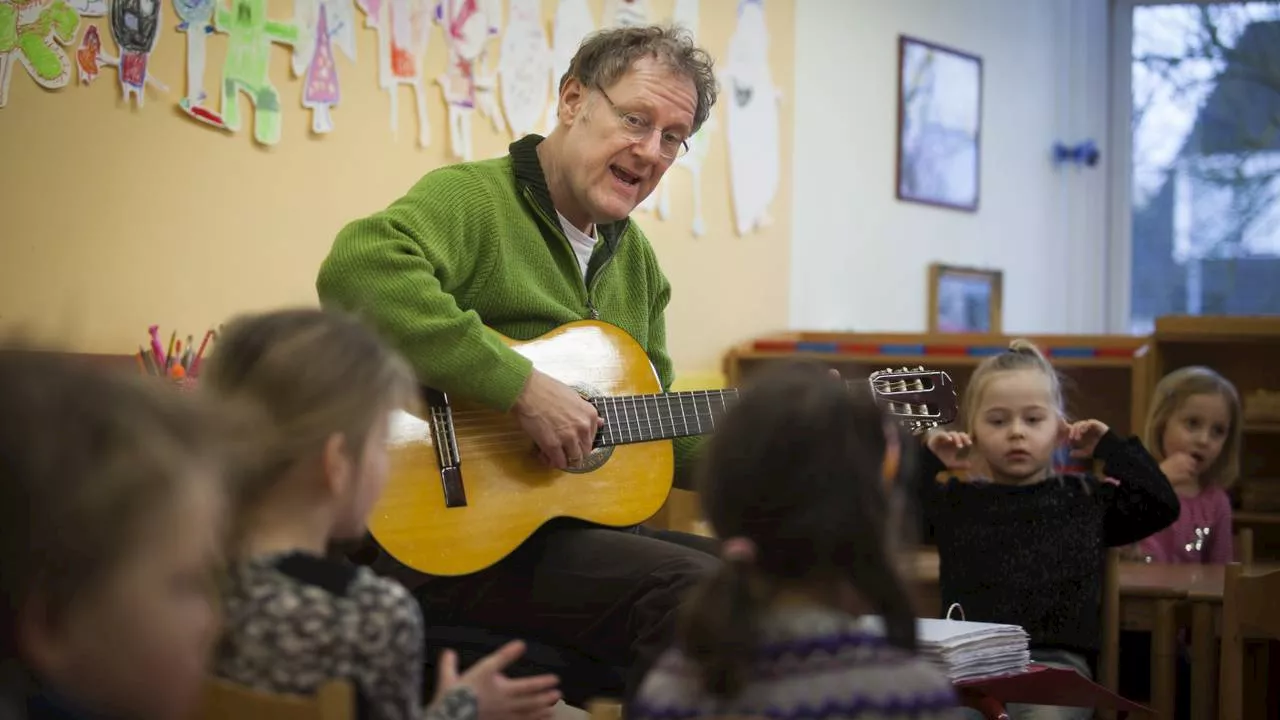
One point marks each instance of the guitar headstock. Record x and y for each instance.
(919, 399)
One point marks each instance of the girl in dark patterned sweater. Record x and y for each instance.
(1017, 544)
(794, 481)
(293, 617)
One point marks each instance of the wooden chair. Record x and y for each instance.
(1248, 611)
(1244, 546)
(600, 709)
(224, 700)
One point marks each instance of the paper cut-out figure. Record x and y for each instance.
(88, 54)
(524, 67)
(686, 15)
(468, 26)
(196, 18)
(752, 119)
(574, 22)
(321, 23)
(31, 32)
(404, 29)
(625, 13)
(135, 26)
(247, 69)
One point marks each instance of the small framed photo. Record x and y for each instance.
(964, 300)
(939, 125)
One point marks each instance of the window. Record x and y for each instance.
(1201, 159)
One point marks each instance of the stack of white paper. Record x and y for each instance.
(966, 650)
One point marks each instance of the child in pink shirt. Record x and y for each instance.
(1193, 430)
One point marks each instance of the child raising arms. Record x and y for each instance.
(111, 515)
(295, 618)
(794, 480)
(1193, 430)
(1022, 546)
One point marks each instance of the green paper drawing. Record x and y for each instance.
(248, 65)
(31, 32)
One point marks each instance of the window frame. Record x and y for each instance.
(1120, 168)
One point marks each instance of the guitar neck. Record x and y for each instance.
(660, 416)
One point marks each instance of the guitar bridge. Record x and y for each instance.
(446, 444)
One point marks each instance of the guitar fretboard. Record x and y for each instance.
(660, 416)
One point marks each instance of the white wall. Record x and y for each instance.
(859, 256)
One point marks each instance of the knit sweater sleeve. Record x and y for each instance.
(1142, 502)
(404, 269)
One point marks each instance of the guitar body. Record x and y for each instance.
(507, 492)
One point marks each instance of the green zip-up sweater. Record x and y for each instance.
(479, 244)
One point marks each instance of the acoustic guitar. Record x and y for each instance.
(467, 486)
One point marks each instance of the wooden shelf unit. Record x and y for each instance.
(1245, 350)
(1103, 375)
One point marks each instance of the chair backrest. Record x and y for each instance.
(1244, 547)
(224, 700)
(1248, 611)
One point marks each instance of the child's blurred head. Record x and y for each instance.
(327, 385)
(1013, 410)
(111, 513)
(1196, 411)
(793, 481)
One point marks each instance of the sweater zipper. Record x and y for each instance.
(592, 312)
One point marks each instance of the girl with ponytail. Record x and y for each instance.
(1020, 543)
(794, 481)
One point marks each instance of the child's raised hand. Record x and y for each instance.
(1083, 437)
(951, 447)
(498, 696)
(1180, 469)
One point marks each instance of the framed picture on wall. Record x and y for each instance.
(964, 300)
(939, 124)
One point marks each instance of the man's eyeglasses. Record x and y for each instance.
(639, 128)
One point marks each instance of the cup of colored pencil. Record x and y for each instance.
(178, 361)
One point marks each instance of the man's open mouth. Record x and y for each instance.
(624, 176)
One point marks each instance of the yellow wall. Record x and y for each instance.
(117, 217)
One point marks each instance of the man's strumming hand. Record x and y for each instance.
(561, 423)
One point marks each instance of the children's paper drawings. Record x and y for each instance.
(574, 22)
(524, 67)
(686, 15)
(752, 119)
(625, 13)
(88, 54)
(247, 69)
(135, 27)
(403, 28)
(321, 25)
(31, 33)
(196, 22)
(466, 84)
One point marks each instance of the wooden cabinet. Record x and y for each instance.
(1102, 374)
(1245, 350)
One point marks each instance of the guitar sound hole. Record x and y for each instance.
(593, 461)
(598, 456)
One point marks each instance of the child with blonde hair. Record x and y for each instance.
(294, 617)
(794, 480)
(1018, 544)
(112, 500)
(1193, 431)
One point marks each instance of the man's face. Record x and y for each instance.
(621, 139)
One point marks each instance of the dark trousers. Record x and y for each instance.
(613, 595)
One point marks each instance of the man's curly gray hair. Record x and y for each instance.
(605, 56)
